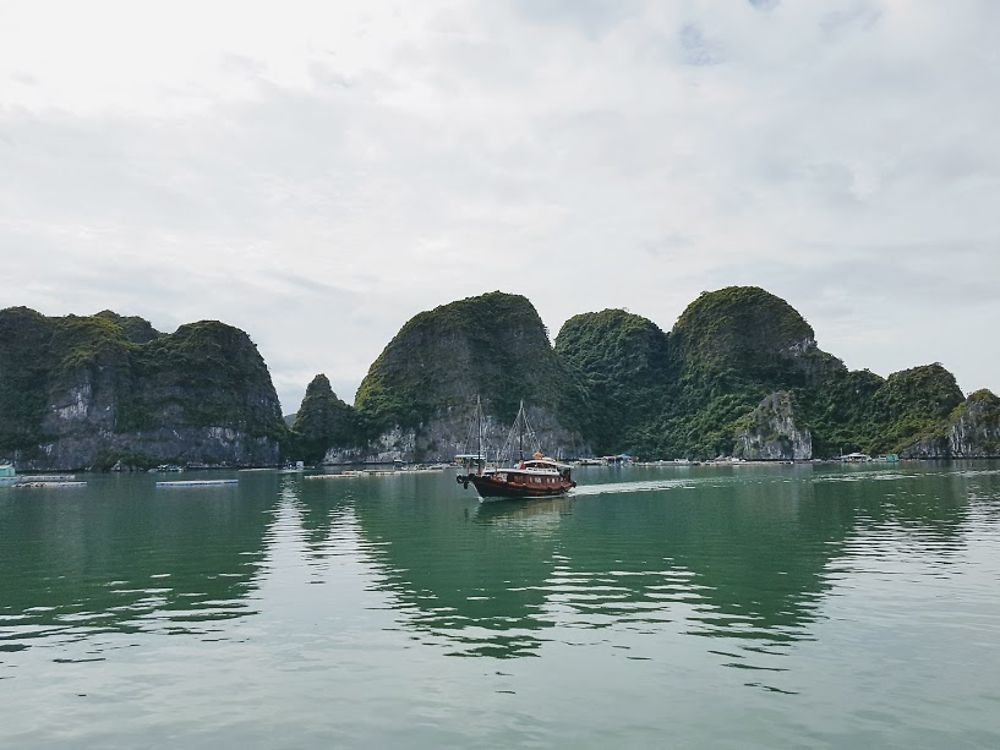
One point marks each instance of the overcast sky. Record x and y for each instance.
(318, 172)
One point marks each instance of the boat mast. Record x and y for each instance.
(479, 434)
(520, 432)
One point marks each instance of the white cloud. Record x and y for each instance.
(317, 173)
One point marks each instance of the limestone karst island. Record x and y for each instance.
(739, 375)
(499, 375)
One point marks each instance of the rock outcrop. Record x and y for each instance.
(740, 373)
(417, 401)
(770, 432)
(911, 405)
(322, 422)
(751, 332)
(729, 350)
(137, 330)
(972, 430)
(684, 394)
(84, 392)
(690, 393)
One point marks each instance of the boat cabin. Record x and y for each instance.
(543, 471)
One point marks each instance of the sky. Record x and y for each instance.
(316, 173)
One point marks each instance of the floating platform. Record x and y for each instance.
(382, 472)
(198, 483)
(36, 484)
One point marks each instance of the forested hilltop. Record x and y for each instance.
(100, 391)
(418, 398)
(739, 374)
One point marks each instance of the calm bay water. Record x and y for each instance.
(681, 607)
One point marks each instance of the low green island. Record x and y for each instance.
(740, 374)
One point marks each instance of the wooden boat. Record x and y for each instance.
(536, 477)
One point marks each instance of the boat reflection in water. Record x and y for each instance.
(527, 515)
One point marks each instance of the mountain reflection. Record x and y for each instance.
(121, 557)
(746, 555)
(742, 559)
(457, 584)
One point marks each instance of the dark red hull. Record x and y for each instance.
(491, 486)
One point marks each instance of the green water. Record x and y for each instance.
(681, 607)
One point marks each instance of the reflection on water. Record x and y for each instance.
(122, 558)
(742, 565)
(747, 556)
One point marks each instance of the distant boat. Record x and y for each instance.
(536, 477)
(293, 468)
(886, 458)
(622, 459)
(166, 468)
(856, 458)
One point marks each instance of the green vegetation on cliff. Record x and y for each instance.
(105, 374)
(841, 413)
(621, 361)
(493, 345)
(688, 393)
(731, 360)
(729, 350)
(24, 374)
(322, 422)
(913, 404)
(205, 374)
(137, 330)
(742, 329)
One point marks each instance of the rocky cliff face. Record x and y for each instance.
(739, 373)
(972, 430)
(88, 392)
(417, 401)
(451, 432)
(322, 422)
(687, 393)
(730, 349)
(770, 433)
(912, 404)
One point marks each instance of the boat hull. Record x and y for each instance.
(492, 488)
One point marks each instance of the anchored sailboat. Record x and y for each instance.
(535, 477)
